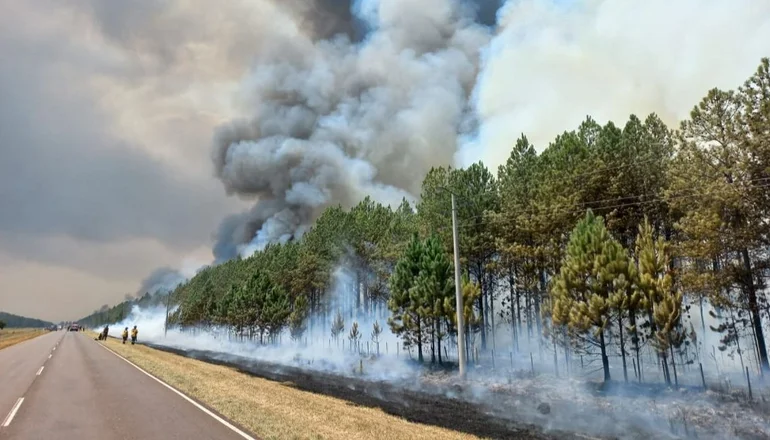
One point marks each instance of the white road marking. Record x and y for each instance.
(182, 395)
(50, 356)
(12, 414)
(40, 370)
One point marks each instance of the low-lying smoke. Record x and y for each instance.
(504, 388)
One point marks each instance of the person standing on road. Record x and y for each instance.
(134, 333)
(125, 335)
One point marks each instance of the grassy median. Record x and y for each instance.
(271, 410)
(12, 336)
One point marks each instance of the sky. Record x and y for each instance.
(108, 111)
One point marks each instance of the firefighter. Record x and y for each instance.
(134, 333)
(125, 335)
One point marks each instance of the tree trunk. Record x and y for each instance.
(491, 308)
(622, 347)
(567, 357)
(605, 359)
(518, 316)
(756, 319)
(433, 343)
(635, 341)
(541, 294)
(528, 306)
(555, 359)
(482, 310)
(468, 344)
(673, 365)
(664, 363)
(438, 340)
(513, 297)
(358, 293)
(419, 340)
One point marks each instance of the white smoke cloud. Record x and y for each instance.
(552, 63)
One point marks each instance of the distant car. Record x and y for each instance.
(74, 328)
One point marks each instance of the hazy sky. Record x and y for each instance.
(107, 111)
(106, 119)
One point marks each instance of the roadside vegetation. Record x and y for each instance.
(272, 410)
(599, 246)
(13, 336)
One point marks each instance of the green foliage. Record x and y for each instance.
(595, 269)
(16, 321)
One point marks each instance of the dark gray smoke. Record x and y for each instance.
(335, 120)
(164, 279)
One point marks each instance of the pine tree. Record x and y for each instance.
(405, 302)
(338, 326)
(589, 274)
(662, 306)
(433, 285)
(354, 336)
(376, 332)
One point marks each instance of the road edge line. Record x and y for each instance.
(185, 397)
(12, 414)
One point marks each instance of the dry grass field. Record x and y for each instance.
(12, 336)
(272, 410)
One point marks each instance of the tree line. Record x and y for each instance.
(15, 321)
(599, 245)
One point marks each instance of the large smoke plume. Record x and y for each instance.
(354, 98)
(335, 119)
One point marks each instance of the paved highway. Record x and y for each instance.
(64, 385)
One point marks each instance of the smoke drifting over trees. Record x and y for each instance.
(335, 120)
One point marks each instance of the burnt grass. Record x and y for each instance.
(424, 405)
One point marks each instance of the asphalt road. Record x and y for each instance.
(86, 392)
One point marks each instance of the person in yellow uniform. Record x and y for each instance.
(134, 333)
(125, 335)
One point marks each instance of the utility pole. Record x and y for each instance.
(458, 294)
